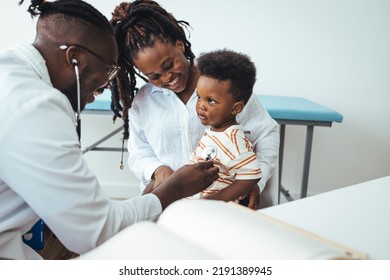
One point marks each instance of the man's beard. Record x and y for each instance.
(71, 94)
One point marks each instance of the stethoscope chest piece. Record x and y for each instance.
(209, 152)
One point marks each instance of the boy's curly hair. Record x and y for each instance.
(228, 65)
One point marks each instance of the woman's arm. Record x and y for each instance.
(142, 159)
(264, 135)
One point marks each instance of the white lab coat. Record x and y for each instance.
(42, 170)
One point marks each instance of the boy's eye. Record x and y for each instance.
(212, 101)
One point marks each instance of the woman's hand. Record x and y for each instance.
(161, 174)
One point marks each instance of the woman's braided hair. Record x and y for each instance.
(138, 25)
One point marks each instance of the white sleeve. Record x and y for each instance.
(264, 135)
(142, 159)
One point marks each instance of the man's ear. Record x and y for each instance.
(73, 56)
(237, 107)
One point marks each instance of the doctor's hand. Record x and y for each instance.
(186, 181)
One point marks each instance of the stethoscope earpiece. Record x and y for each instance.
(78, 112)
(74, 61)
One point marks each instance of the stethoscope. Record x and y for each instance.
(78, 113)
(209, 152)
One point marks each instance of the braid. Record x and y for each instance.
(72, 8)
(138, 25)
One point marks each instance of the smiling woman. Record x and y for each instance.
(138, 23)
(163, 121)
(165, 66)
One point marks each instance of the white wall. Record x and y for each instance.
(332, 52)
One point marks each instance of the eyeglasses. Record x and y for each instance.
(112, 68)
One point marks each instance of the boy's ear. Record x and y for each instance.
(237, 107)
